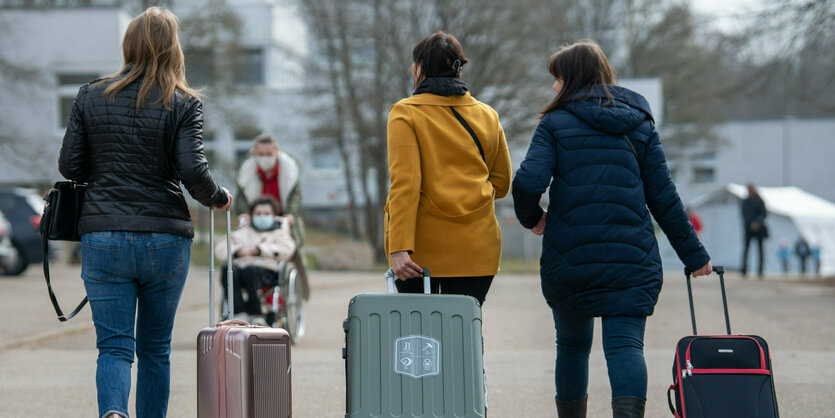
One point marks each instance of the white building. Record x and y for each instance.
(67, 47)
(57, 51)
(786, 152)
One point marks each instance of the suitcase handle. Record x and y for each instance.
(230, 303)
(721, 272)
(391, 277)
(231, 322)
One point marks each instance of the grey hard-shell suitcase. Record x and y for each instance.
(414, 355)
(243, 371)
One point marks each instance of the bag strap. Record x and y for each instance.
(631, 146)
(58, 311)
(470, 131)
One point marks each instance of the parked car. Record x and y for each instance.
(7, 252)
(23, 208)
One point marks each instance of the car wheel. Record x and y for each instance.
(17, 262)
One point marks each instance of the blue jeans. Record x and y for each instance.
(623, 346)
(134, 281)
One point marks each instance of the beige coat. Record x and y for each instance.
(276, 246)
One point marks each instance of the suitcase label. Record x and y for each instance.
(417, 356)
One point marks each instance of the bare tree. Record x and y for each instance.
(366, 47)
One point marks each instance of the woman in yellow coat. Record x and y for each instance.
(448, 162)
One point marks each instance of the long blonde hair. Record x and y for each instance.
(151, 48)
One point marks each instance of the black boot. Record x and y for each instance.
(572, 409)
(628, 407)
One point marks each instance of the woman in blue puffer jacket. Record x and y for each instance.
(597, 147)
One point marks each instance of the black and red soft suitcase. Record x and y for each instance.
(722, 376)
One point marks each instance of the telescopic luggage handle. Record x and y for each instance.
(721, 272)
(391, 277)
(230, 301)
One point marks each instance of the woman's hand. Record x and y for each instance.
(228, 200)
(704, 270)
(403, 266)
(539, 229)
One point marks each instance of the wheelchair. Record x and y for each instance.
(282, 302)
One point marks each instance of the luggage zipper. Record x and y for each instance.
(689, 371)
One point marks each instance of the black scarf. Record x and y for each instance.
(443, 86)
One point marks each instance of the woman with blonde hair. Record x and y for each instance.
(597, 147)
(134, 137)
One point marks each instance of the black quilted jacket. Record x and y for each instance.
(134, 161)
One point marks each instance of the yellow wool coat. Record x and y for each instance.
(440, 205)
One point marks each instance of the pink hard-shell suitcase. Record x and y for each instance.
(243, 371)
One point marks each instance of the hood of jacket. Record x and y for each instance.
(627, 112)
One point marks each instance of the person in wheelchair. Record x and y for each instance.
(258, 248)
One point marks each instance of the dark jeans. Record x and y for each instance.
(476, 287)
(748, 238)
(623, 346)
(248, 280)
(134, 282)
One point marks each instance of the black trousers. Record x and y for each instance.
(475, 286)
(246, 282)
(759, 239)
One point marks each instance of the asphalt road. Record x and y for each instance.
(47, 368)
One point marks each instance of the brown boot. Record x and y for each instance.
(572, 409)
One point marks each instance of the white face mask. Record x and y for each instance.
(263, 222)
(265, 163)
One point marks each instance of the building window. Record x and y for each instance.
(250, 69)
(199, 68)
(703, 175)
(326, 156)
(66, 109)
(246, 133)
(68, 85)
(704, 157)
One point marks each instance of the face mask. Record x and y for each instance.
(265, 163)
(263, 222)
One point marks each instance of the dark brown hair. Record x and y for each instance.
(266, 200)
(151, 49)
(436, 55)
(579, 65)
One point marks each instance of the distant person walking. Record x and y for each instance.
(597, 147)
(802, 251)
(784, 254)
(133, 138)
(753, 219)
(448, 162)
(816, 257)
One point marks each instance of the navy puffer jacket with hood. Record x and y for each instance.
(599, 253)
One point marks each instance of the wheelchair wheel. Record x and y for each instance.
(294, 308)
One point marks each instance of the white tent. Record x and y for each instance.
(792, 213)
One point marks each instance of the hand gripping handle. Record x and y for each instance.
(427, 285)
(721, 272)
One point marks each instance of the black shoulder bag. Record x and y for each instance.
(62, 208)
(471, 132)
